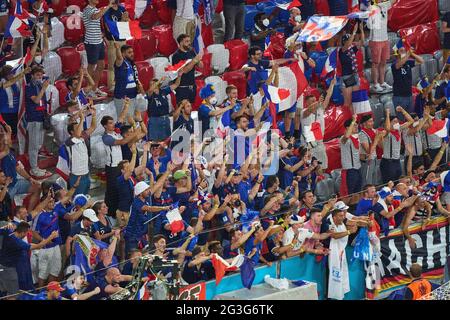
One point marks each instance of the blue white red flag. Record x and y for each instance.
(439, 128)
(63, 165)
(287, 5)
(198, 44)
(330, 63)
(136, 8)
(321, 28)
(18, 25)
(124, 30)
(209, 11)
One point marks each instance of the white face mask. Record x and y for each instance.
(213, 101)
(396, 126)
(38, 59)
(415, 124)
(298, 19)
(266, 22)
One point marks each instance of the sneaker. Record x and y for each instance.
(39, 173)
(377, 88)
(94, 184)
(386, 86)
(100, 93)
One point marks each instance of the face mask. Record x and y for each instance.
(298, 19)
(213, 101)
(38, 59)
(415, 124)
(266, 22)
(396, 126)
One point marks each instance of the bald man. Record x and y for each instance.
(109, 284)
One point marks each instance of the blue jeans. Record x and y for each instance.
(406, 103)
(354, 181)
(83, 187)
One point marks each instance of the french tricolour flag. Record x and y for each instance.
(143, 293)
(287, 5)
(136, 7)
(275, 96)
(360, 102)
(18, 23)
(173, 70)
(330, 63)
(313, 132)
(198, 45)
(124, 30)
(439, 128)
(62, 167)
(175, 220)
(221, 265)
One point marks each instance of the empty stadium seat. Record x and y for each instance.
(148, 44)
(415, 74)
(79, 3)
(137, 49)
(52, 65)
(70, 59)
(145, 72)
(61, 85)
(388, 77)
(73, 29)
(59, 7)
(163, 12)
(166, 42)
(238, 79)
(385, 98)
(378, 113)
(206, 70)
(150, 17)
(238, 53)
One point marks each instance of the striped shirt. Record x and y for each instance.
(378, 23)
(93, 33)
(391, 147)
(415, 140)
(349, 155)
(431, 141)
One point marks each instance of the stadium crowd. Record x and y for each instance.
(224, 179)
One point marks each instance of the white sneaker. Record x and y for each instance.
(100, 93)
(377, 88)
(94, 184)
(38, 172)
(386, 86)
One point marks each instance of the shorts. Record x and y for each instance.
(354, 181)
(49, 262)
(9, 281)
(348, 76)
(122, 218)
(380, 51)
(94, 52)
(21, 187)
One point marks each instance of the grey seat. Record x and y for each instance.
(385, 98)
(378, 113)
(415, 74)
(336, 177)
(431, 69)
(322, 193)
(393, 38)
(390, 105)
(367, 74)
(444, 5)
(388, 77)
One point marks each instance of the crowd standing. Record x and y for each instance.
(243, 190)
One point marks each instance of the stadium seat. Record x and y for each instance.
(145, 72)
(220, 57)
(166, 42)
(206, 71)
(385, 98)
(73, 32)
(52, 65)
(59, 7)
(61, 85)
(415, 74)
(378, 113)
(238, 53)
(200, 83)
(148, 44)
(238, 79)
(137, 49)
(431, 69)
(149, 18)
(163, 12)
(70, 59)
(79, 3)
(368, 73)
(388, 77)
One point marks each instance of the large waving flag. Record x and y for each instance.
(291, 77)
(124, 30)
(85, 255)
(287, 5)
(356, 14)
(136, 8)
(275, 96)
(439, 128)
(221, 265)
(18, 25)
(321, 28)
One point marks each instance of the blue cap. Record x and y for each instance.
(80, 200)
(207, 91)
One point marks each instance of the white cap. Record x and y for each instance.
(140, 187)
(90, 214)
(341, 206)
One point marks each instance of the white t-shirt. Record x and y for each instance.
(378, 22)
(303, 234)
(318, 116)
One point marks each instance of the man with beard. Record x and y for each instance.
(369, 150)
(187, 88)
(127, 83)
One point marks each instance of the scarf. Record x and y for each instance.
(355, 140)
(371, 133)
(396, 134)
